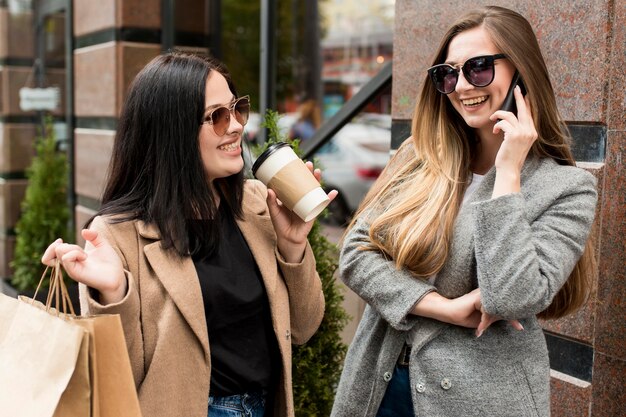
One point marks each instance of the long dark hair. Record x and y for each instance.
(156, 172)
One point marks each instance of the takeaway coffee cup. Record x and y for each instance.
(280, 169)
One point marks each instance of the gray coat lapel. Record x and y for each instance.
(455, 279)
(458, 276)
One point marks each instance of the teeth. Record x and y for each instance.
(474, 101)
(230, 147)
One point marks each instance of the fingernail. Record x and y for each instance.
(522, 327)
(478, 333)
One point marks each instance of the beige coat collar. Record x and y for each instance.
(179, 277)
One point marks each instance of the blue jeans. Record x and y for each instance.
(244, 405)
(397, 401)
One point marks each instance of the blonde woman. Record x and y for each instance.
(477, 226)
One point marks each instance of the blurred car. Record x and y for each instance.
(351, 161)
(374, 119)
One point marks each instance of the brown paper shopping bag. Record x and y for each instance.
(110, 376)
(76, 400)
(101, 384)
(114, 392)
(38, 357)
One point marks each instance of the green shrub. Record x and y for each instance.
(317, 364)
(45, 212)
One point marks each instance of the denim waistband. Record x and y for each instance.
(242, 402)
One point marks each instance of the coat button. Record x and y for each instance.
(287, 334)
(420, 387)
(446, 384)
(387, 376)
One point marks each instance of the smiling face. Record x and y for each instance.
(221, 155)
(476, 104)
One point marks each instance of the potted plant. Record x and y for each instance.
(45, 211)
(317, 364)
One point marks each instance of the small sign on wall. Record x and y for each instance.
(39, 98)
(20, 6)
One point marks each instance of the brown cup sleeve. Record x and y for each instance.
(292, 182)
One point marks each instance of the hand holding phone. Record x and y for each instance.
(509, 100)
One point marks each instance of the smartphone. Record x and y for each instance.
(509, 100)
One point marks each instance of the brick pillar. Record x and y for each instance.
(114, 39)
(584, 46)
(17, 128)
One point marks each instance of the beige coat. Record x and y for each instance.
(163, 312)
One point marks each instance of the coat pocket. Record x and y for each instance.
(488, 393)
(458, 375)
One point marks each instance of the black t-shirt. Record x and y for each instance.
(244, 351)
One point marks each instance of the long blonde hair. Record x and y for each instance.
(414, 203)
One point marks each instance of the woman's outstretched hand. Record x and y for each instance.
(98, 266)
(291, 231)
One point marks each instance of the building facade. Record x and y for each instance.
(92, 50)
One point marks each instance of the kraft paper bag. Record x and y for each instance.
(77, 399)
(38, 356)
(57, 364)
(104, 369)
(109, 375)
(114, 392)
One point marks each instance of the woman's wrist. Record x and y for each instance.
(113, 295)
(507, 182)
(292, 253)
(433, 305)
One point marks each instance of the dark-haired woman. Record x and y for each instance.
(212, 277)
(481, 215)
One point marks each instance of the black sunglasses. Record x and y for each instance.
(220, 116)
(478, 71)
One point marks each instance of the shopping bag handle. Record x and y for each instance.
(57, 288)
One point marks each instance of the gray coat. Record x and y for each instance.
(519, 249)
